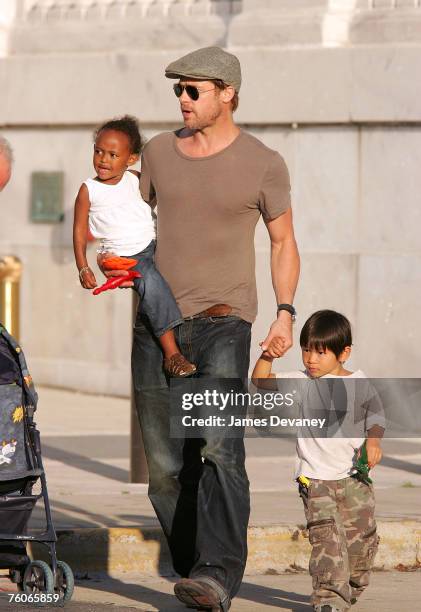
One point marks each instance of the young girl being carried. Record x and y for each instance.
(111, 207)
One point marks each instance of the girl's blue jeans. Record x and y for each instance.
(156, 299)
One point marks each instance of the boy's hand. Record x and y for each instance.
(275, 348)
(108, 273)
(374, 451)
(87, 278)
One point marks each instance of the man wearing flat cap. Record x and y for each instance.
(211, 182)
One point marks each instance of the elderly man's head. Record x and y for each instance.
(6, 160)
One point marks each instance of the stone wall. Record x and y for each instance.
(330, 84)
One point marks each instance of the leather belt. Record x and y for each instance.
(217, 310)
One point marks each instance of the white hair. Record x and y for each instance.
(6, 150)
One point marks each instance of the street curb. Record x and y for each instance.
(272, 549)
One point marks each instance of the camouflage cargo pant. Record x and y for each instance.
(342, 533)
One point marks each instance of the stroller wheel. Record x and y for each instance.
(65, 581)
(38, 578)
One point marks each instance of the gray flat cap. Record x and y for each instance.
(207, 64)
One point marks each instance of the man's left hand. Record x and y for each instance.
(281, 329)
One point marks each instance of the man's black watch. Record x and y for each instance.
(289, 308)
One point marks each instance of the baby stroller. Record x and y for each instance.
(21, 471)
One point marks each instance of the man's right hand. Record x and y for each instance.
(109, 273)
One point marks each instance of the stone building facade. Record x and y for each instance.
(331, 84)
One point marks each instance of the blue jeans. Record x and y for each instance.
(156, 299)
(198, 487)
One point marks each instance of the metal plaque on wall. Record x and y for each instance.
(47, 197)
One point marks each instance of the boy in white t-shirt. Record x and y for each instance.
(338, 499)
(111, 208)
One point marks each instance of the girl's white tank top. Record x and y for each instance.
(119, 217)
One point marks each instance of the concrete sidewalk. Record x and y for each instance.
(388, 592)
(85, 441)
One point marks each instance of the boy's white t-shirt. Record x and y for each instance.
(332, 458)
(119, 216)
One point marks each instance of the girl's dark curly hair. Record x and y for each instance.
(127, 125)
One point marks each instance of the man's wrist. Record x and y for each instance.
(286, 311)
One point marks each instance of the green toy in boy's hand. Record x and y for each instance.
(361, 467)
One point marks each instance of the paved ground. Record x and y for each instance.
(389, 592)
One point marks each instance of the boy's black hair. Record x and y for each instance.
(326, 329)
(128, 125)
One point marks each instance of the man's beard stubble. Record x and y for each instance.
(199, 124)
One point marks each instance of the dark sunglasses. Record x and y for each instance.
(192, 91)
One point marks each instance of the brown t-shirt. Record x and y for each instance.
(208, 208)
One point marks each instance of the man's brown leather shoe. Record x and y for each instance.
(202, 593)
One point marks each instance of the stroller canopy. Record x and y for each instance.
(18, 401)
